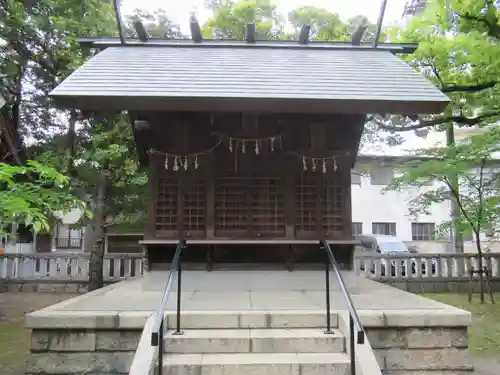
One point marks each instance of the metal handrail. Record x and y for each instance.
(354, 321)
(157, 334)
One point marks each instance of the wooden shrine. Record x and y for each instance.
(248, 143)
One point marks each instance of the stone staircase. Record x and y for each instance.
(261, 343)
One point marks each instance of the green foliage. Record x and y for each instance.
(41, 49)
(459, 51)
(230, 18)
(31, 194)
(115, 150)
(98, 148)
(156, 23)
(473, 163)
(325, 25)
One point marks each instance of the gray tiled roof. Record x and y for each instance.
(251, 73)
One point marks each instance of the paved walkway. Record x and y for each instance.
(250, 290)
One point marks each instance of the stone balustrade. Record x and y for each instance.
(429, 272)
(62, 272)
(67, 266)
(415, 272)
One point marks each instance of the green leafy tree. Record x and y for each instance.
(230, 19)
(38, 51)
(475, 165)
(31, 194)
(103, 163)
(156, 22)
(325, 25)
(106, 175)
(459, 51)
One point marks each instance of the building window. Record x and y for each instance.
(67, 237)
(357, 228)
(388, 229)
(355, 177)
(381, 175)
(422, 231)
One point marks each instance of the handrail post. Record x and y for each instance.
(327, 291)
(352, 345)
(178, 330)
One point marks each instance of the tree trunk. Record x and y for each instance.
(97, 254)
(480, 266)
(458, 242)
(71, 143)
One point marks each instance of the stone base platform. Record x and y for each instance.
(98, 332)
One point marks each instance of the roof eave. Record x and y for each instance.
(236, 104)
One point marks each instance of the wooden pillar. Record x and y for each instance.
(210, 196)
(318, 146)
(153, 175)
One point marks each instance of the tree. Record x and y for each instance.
(156, 23)
(105, 169)
(32, 194)
(478, 194)
(39, 50)
(325, 25)
(458, 50)
(107, 175)
(230, 18)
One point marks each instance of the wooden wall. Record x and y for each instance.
(235, 195)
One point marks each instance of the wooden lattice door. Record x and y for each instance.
(181, 205)
(267, 207)
(318, 206)
(249, 198)
(166, 207)
(250, 207)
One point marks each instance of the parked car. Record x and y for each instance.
(372, 244)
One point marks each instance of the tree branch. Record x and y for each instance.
(462, 120)
(492, 29)
(465, 88)
(458, 200)
(480, 193)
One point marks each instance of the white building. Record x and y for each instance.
(377, 212)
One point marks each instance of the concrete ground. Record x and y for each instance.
(256, 290)
(249, 290)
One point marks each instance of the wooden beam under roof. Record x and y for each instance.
(195, 29)
(250, 33)
(141, 31)
(305, 30)
(358, 33)
(105, 42)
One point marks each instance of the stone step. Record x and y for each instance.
(257, 363)
(252, 319)
(297, 340)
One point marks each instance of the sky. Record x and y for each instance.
(180, 11)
